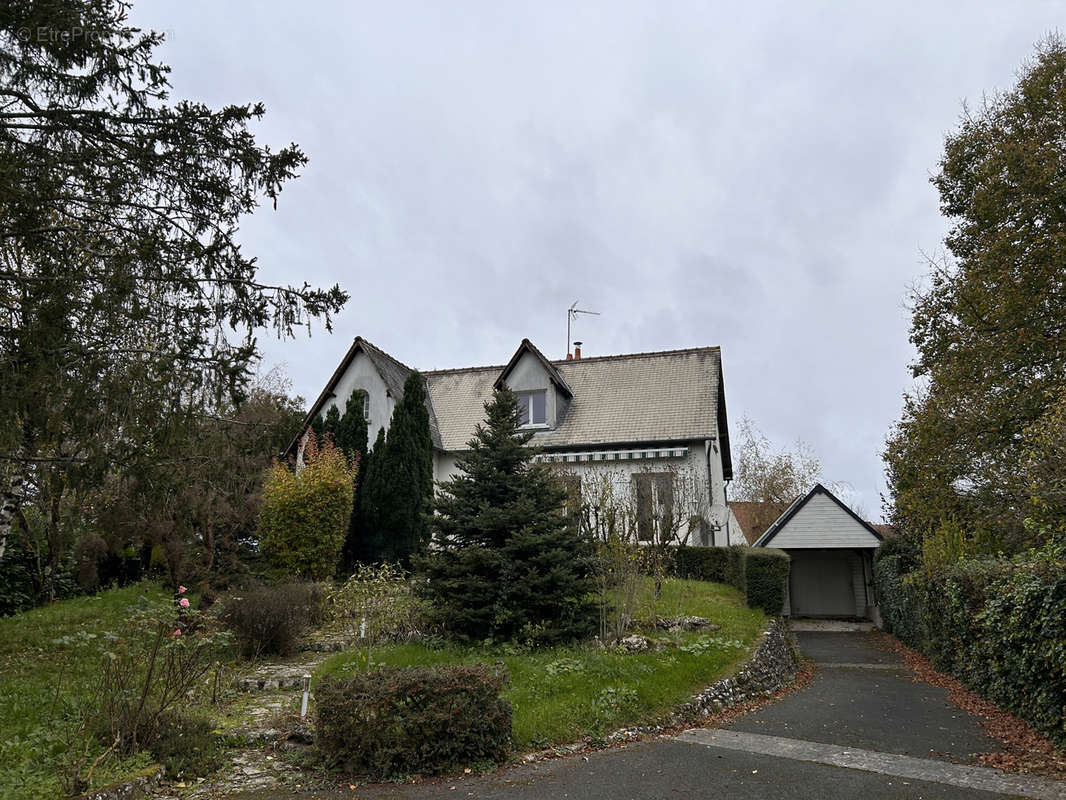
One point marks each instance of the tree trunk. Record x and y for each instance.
(10, 502)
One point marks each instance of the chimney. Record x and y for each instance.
(577, 350)
(569, 356)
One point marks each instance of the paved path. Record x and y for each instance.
(863, 728)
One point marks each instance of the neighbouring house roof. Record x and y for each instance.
(672, 395)
(755, 517)
(781, 522)
(884, 530)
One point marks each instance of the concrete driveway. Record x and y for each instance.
(862, 728)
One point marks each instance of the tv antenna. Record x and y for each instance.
(571, 316)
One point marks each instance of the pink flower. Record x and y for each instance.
(184, 602)
(182, 590)
(177, 632)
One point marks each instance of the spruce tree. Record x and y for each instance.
(405, 483)
(508, 563)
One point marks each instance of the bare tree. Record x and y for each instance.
(770, 477)
(635, 520)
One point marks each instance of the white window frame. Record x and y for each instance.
(529, 393)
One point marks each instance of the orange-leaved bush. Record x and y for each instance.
(305, 513)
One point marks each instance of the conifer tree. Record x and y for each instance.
(404, 492)
(333, 419)
(508, 562)
(351, 433)
(366, 545)
(351, 438)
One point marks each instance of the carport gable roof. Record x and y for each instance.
(781, 522)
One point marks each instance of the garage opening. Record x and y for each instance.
(822, 583)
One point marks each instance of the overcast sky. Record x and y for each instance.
(701, 174)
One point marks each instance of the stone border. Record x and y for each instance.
(133, 789)
(772, 665)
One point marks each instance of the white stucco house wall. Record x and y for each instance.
(633, 418)
(831, 550)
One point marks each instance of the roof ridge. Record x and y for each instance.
(461, 369)
(389, 356)
(646, 354)
(556, 362)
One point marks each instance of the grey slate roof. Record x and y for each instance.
(645, 397)
(666, 396)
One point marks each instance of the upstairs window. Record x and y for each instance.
(532, 408)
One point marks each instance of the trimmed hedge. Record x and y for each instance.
(401, 721)
(718, 564)
(766, 579)
(761, 573)
(997, 625)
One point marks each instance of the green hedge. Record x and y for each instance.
(766, 579)
(718, 564)
(761, 573)
(401, 721)
(997, 625)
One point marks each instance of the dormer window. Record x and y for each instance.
(532, 408)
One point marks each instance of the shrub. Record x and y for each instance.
(147, 671)
(305, 514)
(766, 579)
(377, 601)
(719, 564)
(899, 614)
(416, 720)
(270, 620)
(186, 746)
(998, 625)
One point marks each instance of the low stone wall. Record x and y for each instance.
(772, 665)
(132, 789)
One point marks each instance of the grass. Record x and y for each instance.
(48, 662)
(561, 694)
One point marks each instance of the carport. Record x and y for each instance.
(832, 557)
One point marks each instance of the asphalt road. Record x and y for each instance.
(863, 729)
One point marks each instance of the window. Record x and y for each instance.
(364, 395)
(572, 484)
(655, 505)
(532, 408)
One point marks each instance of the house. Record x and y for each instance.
(754, 517)
(831, 548)
(653, 424)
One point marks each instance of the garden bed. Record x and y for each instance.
(49, 658)
(561, 694)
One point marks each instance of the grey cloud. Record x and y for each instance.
(699, 173)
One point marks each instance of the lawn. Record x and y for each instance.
(561, 694)
(48, 663)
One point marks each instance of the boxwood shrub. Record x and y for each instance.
(400, 721)
(997, 625)
(766, 579)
